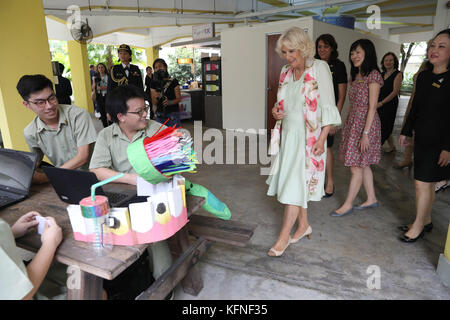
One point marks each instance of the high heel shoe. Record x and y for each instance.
(279, 253)
(327, 195)
(307, 233)
(401, 166)
(407, 239)
(427, 227)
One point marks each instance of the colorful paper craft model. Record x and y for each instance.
(157, 160)
(159, 218)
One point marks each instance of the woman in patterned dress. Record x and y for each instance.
(361, 137)
(307, 108)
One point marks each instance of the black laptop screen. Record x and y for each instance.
(16, 170)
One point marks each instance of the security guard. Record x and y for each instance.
(125, 73)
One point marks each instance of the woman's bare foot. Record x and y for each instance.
(344, 208)
(329, 188)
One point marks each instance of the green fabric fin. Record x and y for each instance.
(212, 204)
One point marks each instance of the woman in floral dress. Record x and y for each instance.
(361, 137)
(307, 108)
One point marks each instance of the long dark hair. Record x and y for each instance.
(395, 61)
(328, 39)
(370, 58)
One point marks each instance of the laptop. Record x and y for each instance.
(74, 185)
(16, 174)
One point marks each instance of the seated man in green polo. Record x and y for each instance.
(63, 133)
(128, 111)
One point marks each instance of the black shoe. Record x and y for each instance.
(427, 227)
(409, 240)
(327, 195)
(170, 296)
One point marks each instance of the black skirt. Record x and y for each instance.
(426, 167)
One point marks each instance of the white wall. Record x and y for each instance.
(244, 75)
(244, 64)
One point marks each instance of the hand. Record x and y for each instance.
(52, 234)
(404, 141)
(444, 158)
(318, 148)
(24, 224)
(132, 178)
(277, 113)
(379, 104)
(333, 130)
(165, 102)
(364, 143)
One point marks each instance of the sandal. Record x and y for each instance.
(279, 253)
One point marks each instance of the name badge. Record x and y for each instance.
(434, 84)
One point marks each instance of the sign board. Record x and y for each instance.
(203, 31)
(185, 61)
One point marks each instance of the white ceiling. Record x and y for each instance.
(146, 23)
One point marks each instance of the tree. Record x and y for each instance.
(96, 53)
(406, 55)
(184, 72)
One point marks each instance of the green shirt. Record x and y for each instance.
(111, 147)
(75, 129)
(14, 281)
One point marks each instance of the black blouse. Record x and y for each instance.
(170, 93)
(429, 117)
(339, 73)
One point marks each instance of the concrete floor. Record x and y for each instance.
(334, 263)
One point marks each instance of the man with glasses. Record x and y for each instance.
(129, 114)
(64, 133)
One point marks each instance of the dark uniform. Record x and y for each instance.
(118, 76)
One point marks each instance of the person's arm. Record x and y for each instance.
(177, 99)
(177, 96)
(374, 91)
(395, 91)
(342, 91)
(85, 134)
(80, 159)
(154, 95)
(105, 173)
(37, 269)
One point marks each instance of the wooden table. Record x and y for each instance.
(94, 268)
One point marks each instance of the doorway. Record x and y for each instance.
(274, 65)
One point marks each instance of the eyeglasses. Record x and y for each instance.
(41, 102)
(141, 112)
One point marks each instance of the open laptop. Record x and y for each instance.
(16, 173)
(74, 185)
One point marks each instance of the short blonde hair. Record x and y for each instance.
(297, 39)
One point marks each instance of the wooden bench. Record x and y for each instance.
(184, 269)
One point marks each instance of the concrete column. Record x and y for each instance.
(443, 268)
(152, 54)
(25, 50)
(79, 65)
(442, 18)
(447, 245)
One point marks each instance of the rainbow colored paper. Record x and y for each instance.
(163, 155)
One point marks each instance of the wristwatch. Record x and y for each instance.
(366, 132)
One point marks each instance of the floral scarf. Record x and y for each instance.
(312, 112)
